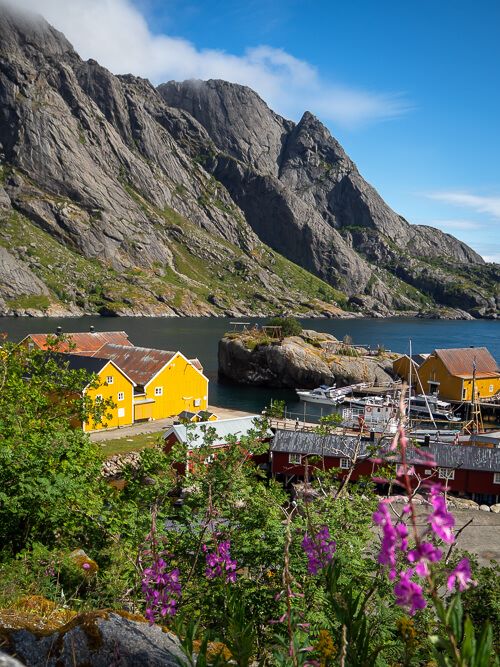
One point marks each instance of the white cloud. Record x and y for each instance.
(481, 204)
(116, 34)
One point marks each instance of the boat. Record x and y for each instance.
(373, 416)
(432, 407)
(324, 394)
(363, 401)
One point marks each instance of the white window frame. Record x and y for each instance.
(491, 388)
(294, 458)
(109, 379)
(158, 391)
(446, 473)
(121, 396)
(345, 464)
(197, 402)
(496, 478)
(121, 412)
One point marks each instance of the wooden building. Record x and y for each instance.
(449, 374)
(469, 471)
(166, 383)
(82, 342)
(114, 385)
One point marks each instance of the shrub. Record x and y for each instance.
(290, 326)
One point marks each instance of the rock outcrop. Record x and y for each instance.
(194, 199)
(96, 639)
(304, 361)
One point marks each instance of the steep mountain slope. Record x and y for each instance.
(194, 198)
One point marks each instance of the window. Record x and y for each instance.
(446, 473)
(345, 464)
(197, 402)
(109, 379)
(121, 412)
(121, 395)
(295, 458)
(490, 388)
(158, 391)
(464, 392)
(496, 478)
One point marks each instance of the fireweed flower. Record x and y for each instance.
(441, 520)
(220, 563)
(409, 595)
(319, 550)
(161, 589)
(461, 576)
(424, 553)
(393, 537)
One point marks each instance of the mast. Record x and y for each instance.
(409, 386)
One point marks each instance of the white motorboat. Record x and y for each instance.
(324, 394)
(431, 407)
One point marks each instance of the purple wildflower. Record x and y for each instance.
(461, 576)
(161, 589)
(409, 594)
(441, 520)
(319, 549)
(86, 566)
(393, 537)
(219, 562)
(424, 553)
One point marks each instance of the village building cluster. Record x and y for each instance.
(142, 384)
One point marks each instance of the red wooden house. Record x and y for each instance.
(469, 471)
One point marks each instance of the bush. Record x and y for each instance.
(290, 326)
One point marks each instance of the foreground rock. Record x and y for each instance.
(95, 639)
(303, 361)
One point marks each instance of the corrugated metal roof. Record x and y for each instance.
(139, 363)
(459, 361)
(305, 442)
(469, 457)
(83, 342)
(239, 427)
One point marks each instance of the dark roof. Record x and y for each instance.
(469, 457)
(78, 362)
(139, 363)
(82, 342)
(304, 442)
(459, 361)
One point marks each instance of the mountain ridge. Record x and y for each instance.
(195, 198)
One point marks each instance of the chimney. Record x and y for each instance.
(92, 328)
(58, 331)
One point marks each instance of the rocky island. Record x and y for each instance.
(304, 360)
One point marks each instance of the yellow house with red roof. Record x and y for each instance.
(167, 383)
(450, 373)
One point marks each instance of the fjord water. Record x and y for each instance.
(199, 336)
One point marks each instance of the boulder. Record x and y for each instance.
(495, 508)
(484, 508)
(8, 661)
(97, 639)
(464, 504)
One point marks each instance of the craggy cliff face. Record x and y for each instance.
(194, 198)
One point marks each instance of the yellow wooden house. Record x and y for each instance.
(449, 374)
(114, 385)
(166, 383)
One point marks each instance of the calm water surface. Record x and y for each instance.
(198, 337)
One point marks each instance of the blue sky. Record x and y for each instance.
(411, 89)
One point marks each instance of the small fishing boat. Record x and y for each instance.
(430, 406)
(375, 416)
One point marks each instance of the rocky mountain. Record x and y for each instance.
(195, 198)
